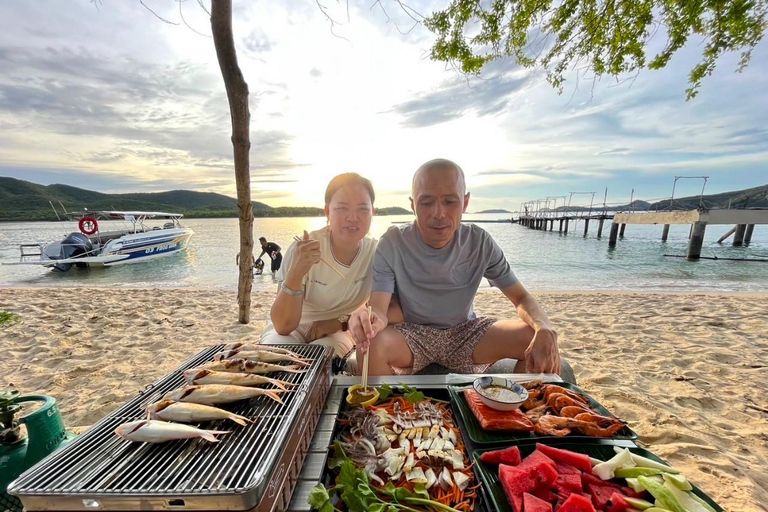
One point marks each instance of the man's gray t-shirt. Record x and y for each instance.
(437, 287)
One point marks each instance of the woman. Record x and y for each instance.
(313, 301)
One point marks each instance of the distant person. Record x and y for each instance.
(272, 250)
(435, 266)
(258, 267)
(314, 302)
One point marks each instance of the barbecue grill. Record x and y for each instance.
(252, 468)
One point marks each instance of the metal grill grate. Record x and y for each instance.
(100, 465)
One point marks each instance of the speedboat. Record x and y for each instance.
(90, 246)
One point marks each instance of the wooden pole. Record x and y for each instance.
(566, 225)
(613, 235)
(237, 95)
(586, 227)
(600, 228)
(665, 233)
(738, 237)
(560, 229)
(697, 240)
(552, 224)
(728, 234)
(748, 234)
(621, 233)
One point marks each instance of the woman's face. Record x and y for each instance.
(349, 213)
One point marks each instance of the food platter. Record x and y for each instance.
(480, 436)
(498, 500)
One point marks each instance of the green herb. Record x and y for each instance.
(357, 493)
(8, 318)
(411, 395)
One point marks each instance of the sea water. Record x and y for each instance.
(542, 260)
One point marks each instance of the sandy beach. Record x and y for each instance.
(686, 371)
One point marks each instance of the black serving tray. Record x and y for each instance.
(328, 476)
(495, 493)
(480, 436)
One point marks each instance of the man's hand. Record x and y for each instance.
(322, 328)
(363, 329)
(542, 355)
(305, 254)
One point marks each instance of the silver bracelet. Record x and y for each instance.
(290, 291)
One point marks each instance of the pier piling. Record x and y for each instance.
(613, 235)
(566, 226)
(586, 227)
(727, 235)
(665, 233)
(697, 240)
(748, 234)
(600, 228)
(560, 229)
(621, 233)
(738, 236)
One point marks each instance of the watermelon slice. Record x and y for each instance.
(570, 482)
(533, 504)
(588, 479)
(567, 469)
(577, 460)
(601, 495)
(509, 456)
(618, 503)
(577, 503)
(546, 495)
(537, 458)
(517, 480)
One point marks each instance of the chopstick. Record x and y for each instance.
(297, 239)
(365, 359)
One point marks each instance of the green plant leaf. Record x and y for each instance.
(319, 499)
(385, 391)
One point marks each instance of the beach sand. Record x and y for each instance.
(688, 372)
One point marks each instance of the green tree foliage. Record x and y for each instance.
(606, 37)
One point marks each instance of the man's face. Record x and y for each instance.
(438, 203)
(263, 243)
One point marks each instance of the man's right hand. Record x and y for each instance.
(364, 330)
(305, 255)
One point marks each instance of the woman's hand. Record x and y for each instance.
(305, 255)
(322, 328)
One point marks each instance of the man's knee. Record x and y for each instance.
(273, 338)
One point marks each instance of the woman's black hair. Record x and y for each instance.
(345, 180)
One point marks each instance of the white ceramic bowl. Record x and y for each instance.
(500, 405)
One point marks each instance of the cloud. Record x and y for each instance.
(614, 151)
(315, 73)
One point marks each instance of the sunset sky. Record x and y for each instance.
(106, 96)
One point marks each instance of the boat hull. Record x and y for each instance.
(146, 246)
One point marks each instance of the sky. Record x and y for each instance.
(107, 96)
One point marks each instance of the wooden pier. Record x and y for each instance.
(743, 222)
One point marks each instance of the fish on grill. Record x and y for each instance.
(265, 356)
(247, 366)
(153, 431)
(213, 394)
(185, 412)
(202, 376)
(258, 346)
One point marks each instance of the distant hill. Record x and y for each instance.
(497, 210)
(756, 197)
(392, 210)
(24, 200)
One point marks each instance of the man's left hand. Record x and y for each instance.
(543, 355)
(322, 328)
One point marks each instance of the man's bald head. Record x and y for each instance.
(440, 165)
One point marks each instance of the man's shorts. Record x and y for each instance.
(451, 348)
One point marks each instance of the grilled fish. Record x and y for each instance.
(212, 394)
(168, 410)
(201, 376)
(152, 431)
(258, 346)
(265, 356)
(246, 366)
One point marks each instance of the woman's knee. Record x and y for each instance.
(273, 338)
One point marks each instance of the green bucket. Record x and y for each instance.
(45, 434)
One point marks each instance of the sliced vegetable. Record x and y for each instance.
(685, 498)
(635, 472)
(679, 481)
(706, 505)
(633, 484)
(639, 504)
(663, 495)
(605, 470)
(645, 462)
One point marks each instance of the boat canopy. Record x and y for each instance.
(146, 215)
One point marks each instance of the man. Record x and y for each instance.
(273, 251)
(435, 266)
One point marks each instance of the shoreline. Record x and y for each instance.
(683, 369)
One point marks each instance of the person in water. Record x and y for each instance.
(272, 250)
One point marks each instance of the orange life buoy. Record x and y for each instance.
(88, 225)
